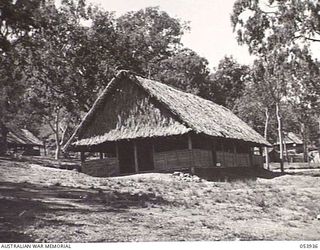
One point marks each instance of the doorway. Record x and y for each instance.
(145, 155)
(126, 157)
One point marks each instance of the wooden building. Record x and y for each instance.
(140, 125)
(24, 142)
(292, 142)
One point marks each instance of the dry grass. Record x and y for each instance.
(52, 205)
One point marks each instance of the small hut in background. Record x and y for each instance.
(139, 125)
(24, 142)
(292, 142)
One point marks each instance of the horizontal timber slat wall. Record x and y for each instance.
(202, 158)
(243, 160)
(101, 167)
(182, 159)
(257, 160)
(231, 160)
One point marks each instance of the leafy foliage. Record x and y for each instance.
(262, 25)
(185, 70)
(228, 82)
(74, 50)
(280, 33)
(147, 37)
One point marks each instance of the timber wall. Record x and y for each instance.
(182, 159)
(257, 161)
(101, 167)
(178, 160)
(232, 160)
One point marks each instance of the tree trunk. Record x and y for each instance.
(64, 133)
(304, 141)
(57, 136)
(44, 148)
(280, 135)
(319, 135)
(266, 137)
(286, 150)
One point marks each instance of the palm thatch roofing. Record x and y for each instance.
(192, 114)
(291, 138)
(22, 137)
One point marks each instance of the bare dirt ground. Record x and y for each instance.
(41, 204)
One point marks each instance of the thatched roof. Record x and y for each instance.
(22, 137)
(192, 112)
(290, 138)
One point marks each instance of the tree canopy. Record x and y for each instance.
(66, 55)
(262, 25)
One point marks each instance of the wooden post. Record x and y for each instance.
(44, 148)
(223, 154)
(192, 170)
(135, 157)
(82, 156)
(101, 155)
(250, 156)
(234, 154)
(189, 142)
(214, 152)
(152, 142)
(260, 151)
(261, 154)
(117, 149)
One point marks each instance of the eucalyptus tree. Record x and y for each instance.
(55, 79)
(228, 82)
(262, 24)
(147, 37)
(185, 70)
(18, 19)
(303, 94)
(275, 27)
(72, 61)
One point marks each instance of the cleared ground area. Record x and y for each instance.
(42, 204)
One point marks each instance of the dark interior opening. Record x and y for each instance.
(107, 148)
(171, 143)
(242, 148)
(202, 142)
(126, 157)
(145, 155)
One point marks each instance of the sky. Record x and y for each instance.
(211, 33)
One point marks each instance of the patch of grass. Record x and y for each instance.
(261, 202)
(160, 207)
(218, 200)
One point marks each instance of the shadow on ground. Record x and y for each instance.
(25, 204)
(68, 164)
(235, 174)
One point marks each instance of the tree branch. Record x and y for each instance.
(63, 136)
(49, 123)
(307, 38)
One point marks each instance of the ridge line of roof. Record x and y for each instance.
(143, 82)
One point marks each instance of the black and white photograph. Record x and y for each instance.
(159, 121)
